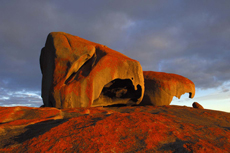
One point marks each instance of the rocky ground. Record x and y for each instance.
(114, 129)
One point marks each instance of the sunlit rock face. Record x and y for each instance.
(160, 88)
(80, 73)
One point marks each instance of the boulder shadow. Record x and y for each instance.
(37, 129)
(176, 146)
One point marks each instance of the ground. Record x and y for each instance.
(114, 129)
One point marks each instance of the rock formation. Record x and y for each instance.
(114, 129)
(80, 73)
(160, 88)
(197, 105)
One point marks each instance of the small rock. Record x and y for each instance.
(197, 105)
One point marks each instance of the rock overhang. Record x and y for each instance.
(161, 87)
(77, 71)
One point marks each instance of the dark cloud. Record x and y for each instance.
(190, 38)
(225, 88)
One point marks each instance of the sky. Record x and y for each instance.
(189, 38)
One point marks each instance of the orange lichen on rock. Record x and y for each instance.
(160, 88)
(116, 129)
(79, 73)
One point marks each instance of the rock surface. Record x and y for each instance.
(80, 73)
(114, 129)
(160, 88)
(197, 105)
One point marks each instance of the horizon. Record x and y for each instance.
(186, 38)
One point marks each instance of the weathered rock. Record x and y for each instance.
(80, 73)
(197, 105)
(114, 129)
(160, 88)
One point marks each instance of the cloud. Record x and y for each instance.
(193, 43)
(225, 87)
(225, 90)
(202, 72)
(20, 98)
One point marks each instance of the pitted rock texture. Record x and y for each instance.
(114, 129)
(160, 88)
(80, 73)
(197, 105)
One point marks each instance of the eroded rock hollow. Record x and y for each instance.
(80, 73)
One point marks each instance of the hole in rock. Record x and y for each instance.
(116, 105)
(190, 95)
(119, 89)
(184, 100)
